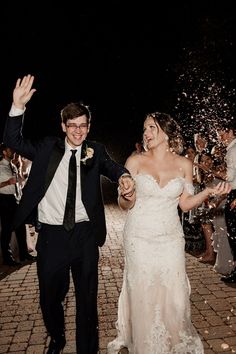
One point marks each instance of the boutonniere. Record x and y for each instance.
(87, 154)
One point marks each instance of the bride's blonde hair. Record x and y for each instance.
(171, 128)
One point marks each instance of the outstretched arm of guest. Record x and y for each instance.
(233, 204)
(8, 182)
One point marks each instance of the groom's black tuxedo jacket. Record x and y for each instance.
(46, 156)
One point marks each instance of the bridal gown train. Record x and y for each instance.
(154, 315)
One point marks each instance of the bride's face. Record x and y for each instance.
(153, 135)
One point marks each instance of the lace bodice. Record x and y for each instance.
(159, 204)
(147, 185)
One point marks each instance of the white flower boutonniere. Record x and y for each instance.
(87, 154)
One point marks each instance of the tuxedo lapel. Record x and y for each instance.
(55, 158)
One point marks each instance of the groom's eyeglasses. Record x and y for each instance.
(74, 126)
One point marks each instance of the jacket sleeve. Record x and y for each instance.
(110, 168)
(13, 138)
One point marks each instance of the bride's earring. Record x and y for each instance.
(167, 142)
(145, 147)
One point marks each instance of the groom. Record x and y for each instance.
(63, 191)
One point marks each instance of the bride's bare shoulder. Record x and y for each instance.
(183, 161)
(134, 161)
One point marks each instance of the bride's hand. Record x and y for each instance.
(220, 189)
(127, 195)
(126, 191)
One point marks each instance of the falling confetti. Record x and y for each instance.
(205, 97)
(224, 346)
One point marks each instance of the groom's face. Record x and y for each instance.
(76, 130)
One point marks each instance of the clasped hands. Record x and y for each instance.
(126, 186)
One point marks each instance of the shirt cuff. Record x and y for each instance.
(126, 175)
(16, 111)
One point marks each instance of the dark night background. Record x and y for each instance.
(123, 59)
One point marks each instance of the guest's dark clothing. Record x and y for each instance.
(8, 205)
(230, 215)
(230, 218)
(7, 210)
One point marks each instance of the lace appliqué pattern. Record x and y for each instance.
(160, 340)
(189, 188)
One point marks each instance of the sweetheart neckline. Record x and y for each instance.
(157, 183)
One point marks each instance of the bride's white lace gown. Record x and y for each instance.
(154, 306)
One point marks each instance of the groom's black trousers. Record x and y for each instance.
(58, 253)
(230, 218)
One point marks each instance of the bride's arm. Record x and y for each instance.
(188, 201)
(127, 201)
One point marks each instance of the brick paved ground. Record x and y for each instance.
(21, 325)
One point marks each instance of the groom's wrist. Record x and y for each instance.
(126, 175)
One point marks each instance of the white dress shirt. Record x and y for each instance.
(51, 209)
(231, 163)
(5, 174)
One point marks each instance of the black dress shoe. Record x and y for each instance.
(55, 346)
(28, 257)
(12, 263)
(230, 278)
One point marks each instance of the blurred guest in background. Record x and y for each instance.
(227, 136)
(10, 192)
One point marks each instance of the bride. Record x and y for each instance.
(154, 314)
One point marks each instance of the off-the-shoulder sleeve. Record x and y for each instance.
(189, 188)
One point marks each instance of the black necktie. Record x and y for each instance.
(69, 216)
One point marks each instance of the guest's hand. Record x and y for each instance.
(12, 180)
(233, 204)
(23, 91)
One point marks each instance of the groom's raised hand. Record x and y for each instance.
(23, 91)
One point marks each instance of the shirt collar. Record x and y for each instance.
(69, 148)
